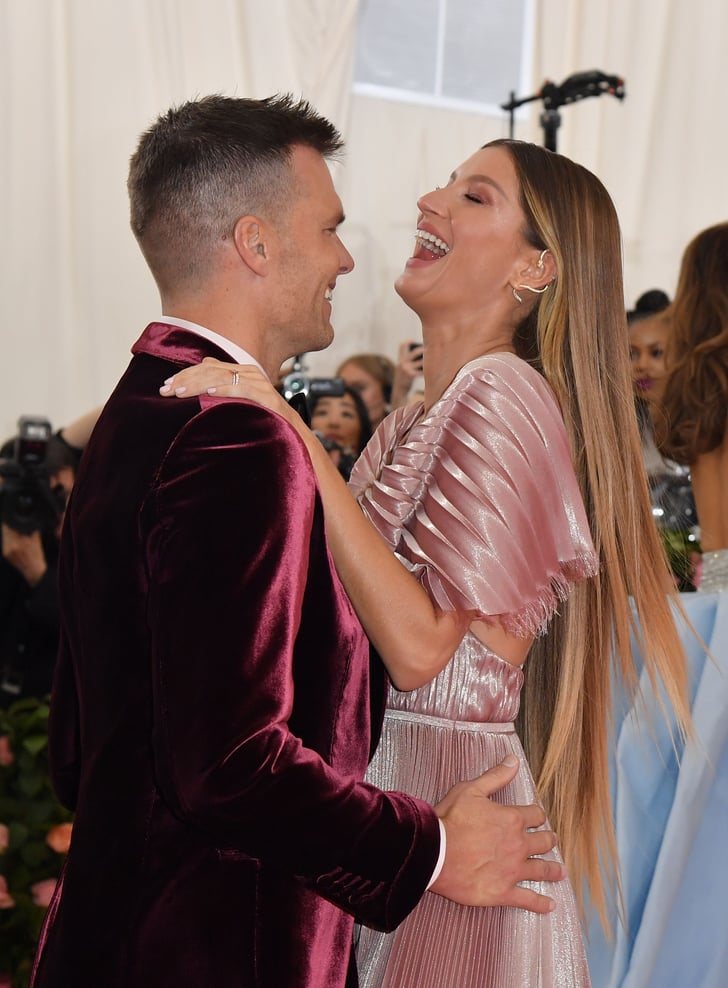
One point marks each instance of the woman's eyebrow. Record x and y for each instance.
(485, 179)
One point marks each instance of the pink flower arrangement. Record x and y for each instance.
(35, 833)
(6, 899)
(6, 752)
(59, 837)
(42, 892)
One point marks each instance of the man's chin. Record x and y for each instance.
(323, 339)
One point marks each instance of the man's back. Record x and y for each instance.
(212, 657)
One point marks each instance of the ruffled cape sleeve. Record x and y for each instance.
(479, 498)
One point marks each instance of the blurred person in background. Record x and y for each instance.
(342, 424)
(372, 375)
(693, 429)
(673, 503)
(33, 496)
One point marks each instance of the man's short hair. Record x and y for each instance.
(204, 164)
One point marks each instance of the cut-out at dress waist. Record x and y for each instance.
(476, 686)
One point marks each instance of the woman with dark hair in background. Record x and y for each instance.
(372, 375)
(693, 430)
(673, 504)
(342, 424)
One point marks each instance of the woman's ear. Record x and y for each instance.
(250, 243)
(538, 273)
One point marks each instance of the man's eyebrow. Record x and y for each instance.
(483, 178)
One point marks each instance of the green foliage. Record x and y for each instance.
(29, 810)
(682, 550)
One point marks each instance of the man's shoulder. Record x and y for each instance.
(241, 421)
(235, 430)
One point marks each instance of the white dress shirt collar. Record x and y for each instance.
(237, 353)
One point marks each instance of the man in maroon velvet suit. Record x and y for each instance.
(210, 719)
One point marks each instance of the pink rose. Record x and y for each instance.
(6, 755)
(4, 840)
(59, 837)
(6, 900)
(42, 892)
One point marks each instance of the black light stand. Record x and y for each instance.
(576, 87)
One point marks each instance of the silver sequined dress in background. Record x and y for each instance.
(714, 578)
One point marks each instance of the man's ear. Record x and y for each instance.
(538, 273)
(249, 237)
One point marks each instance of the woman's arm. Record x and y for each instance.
(709, 477)
(78, 432)
(408, 369)
(414, 638)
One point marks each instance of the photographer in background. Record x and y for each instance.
(342, 424)
(37, 471)
(335, 412)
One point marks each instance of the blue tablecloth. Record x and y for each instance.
(671, 815)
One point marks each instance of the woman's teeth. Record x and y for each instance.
(328, 295)
(432, 243)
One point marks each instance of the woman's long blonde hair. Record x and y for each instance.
(577, 336)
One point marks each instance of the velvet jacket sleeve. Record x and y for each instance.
(228, 530)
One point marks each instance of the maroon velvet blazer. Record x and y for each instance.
(210, 722)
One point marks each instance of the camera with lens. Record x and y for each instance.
(300, 390)
(298, 382)
(28, 502)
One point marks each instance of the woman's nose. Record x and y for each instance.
(432, 202)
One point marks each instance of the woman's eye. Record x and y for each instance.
(473, 197)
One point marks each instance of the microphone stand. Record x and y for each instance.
(576, 87)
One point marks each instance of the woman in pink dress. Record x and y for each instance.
(514, 492)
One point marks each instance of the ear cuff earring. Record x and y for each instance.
(536, 291)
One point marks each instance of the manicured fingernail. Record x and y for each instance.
(165, 389)
(168, 380)
(212, 391)
(552, 906)
(510, 761)
(179, 391)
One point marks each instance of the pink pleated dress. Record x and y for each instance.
(479, 499)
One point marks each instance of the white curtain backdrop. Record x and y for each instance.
(82, 78)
